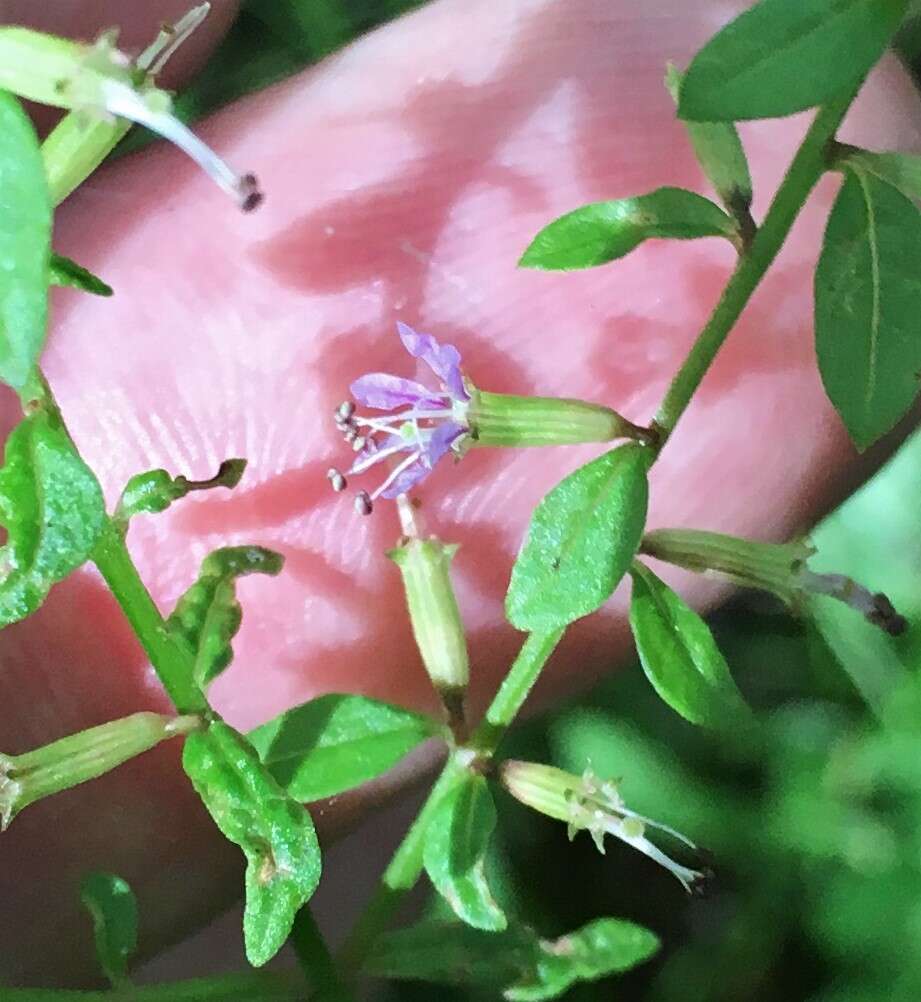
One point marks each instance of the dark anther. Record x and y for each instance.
(884, 616)
(363, 503)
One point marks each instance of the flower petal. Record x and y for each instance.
(384, 392)
(443, 359)
(440, 442)
(443, 437)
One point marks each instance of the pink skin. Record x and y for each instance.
(404, 178)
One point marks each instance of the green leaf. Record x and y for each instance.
(113, 908)
(69, 273)
(581, 540)
(52, 508)
(604, 947)
(275, 833)
(782, 56)
(901, 170)
(679, 654)
(867, 301)
(454, 854)
(532, 968)
(719, 152)
(451, 953)
(337, 742)
(208, 615)
(25, 245)
(155, 490)
(603, 231)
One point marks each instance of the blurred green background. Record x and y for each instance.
(814, 822)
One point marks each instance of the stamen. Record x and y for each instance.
(345, 410)
(120, 99)
(359, 443)
(336, 479)
(371, 458)
(363, 504)
(394, 473)
(171, 36)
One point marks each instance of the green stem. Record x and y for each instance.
(810, 162)
(172, 662)
(515, 689)
(401, 874)
(315, 959)
(255, 986)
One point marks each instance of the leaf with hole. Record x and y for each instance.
(455, 851)
(52, 508)
(604, 231)
(208, 615)
(275, 833)
(680, 656)
(783, 56)
(581, 540)
(867, 302)
(337, 742)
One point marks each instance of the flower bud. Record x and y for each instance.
(437, 627)
(81, 757)
(779, 568)
(594, 805)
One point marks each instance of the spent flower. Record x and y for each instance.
(421, 424)
(596, 806)
(779, 568)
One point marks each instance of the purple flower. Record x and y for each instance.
(422, 425)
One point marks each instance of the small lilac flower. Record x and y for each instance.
(423, 425)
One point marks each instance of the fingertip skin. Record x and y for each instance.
(397, 189)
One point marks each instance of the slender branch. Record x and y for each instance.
(401, 875)
(515, 689)
(810, 162)
(172, 662)
(315, 959)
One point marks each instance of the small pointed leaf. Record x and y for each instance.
(783, 56)
(69, 273)
(275, 833)
(113, 908)
(604, 231)
(581, 540)
(719, 152)
(337, 742)
(454, 855)
(679, 654)
(867, 302)
(604, 947)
